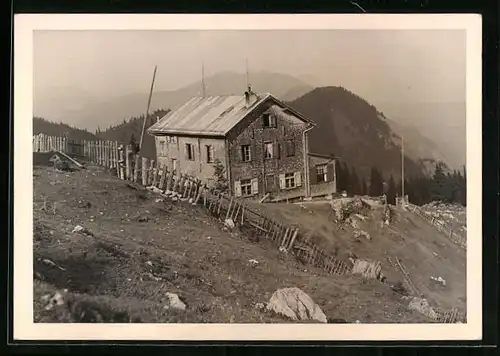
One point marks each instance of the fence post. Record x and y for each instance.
(151, 171)
(156, 171)
(136, 168)
(163, 178)
(168, 187)
(144, 171)
(295, 233)
(121, 162)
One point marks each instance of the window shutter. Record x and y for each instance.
(187, 151)
(329, 172)
(297, 177)
(237, 188)
(282, 181)
(241, 153)
(252, 152)
(283, 130)
(255, 186)
(276, 150)
(313, 175)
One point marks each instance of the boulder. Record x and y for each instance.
(296, 305)
(174, 302)
(368, 269)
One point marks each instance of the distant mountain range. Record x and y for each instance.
(354, 130)
(348, 126)
(91, 113)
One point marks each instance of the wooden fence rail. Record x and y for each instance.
(127, 166)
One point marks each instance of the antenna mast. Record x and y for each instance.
(147, 109)
(402, 169)
(248, 77)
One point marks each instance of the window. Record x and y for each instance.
(290, 148)
(210, 153)
(269, 120)
(289, 180)
(246, 187)
(190, 151)
(245, 153)
(321, 173)
(162, 147)
(173, 139)
(268, 150)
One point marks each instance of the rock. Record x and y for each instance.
(81, 230)
(422, 306)
(296, 305)
(174, 302)
(253, 262)
(439, 280)
(159, 200)
(229, 223)
(368, 269)
(57, 299)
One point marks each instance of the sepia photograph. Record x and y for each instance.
(241, 174)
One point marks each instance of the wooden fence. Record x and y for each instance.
(446, 229)
(140, 170)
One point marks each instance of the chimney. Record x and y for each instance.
(247, 98)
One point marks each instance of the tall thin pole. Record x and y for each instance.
(203, 88)
(147, 109)
(248, 76)
(402, 168)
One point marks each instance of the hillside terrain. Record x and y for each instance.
(354, 130)
(424, 251)
(137, 248)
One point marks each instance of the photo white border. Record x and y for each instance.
(26, 329)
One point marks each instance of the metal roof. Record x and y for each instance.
(210, 115)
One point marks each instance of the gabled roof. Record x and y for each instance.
(212, 115)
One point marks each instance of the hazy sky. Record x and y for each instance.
(381, 66)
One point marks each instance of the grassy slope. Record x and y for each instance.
(409, 238)
(109, 279)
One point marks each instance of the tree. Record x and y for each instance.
(376, 183)
(355, 185)
(221, 183)
(439, 185)
(364, 187)
(391, 191)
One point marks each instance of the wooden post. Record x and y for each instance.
(198, 196)
(205, 196)
(156, 172)
(221, 199)
(144, 171)
(242, 213)
(177, 184)
(137, 159)
(151, 172)
(190, 189)
(184, 187)
(128, 167)
(163, 179)
(170, 177)
(295, 233)
(229, 208)
(285, 237)
(123, 174)
(236, 211)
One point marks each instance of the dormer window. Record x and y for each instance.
(269, 120)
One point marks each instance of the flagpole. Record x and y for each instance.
(402, 169)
